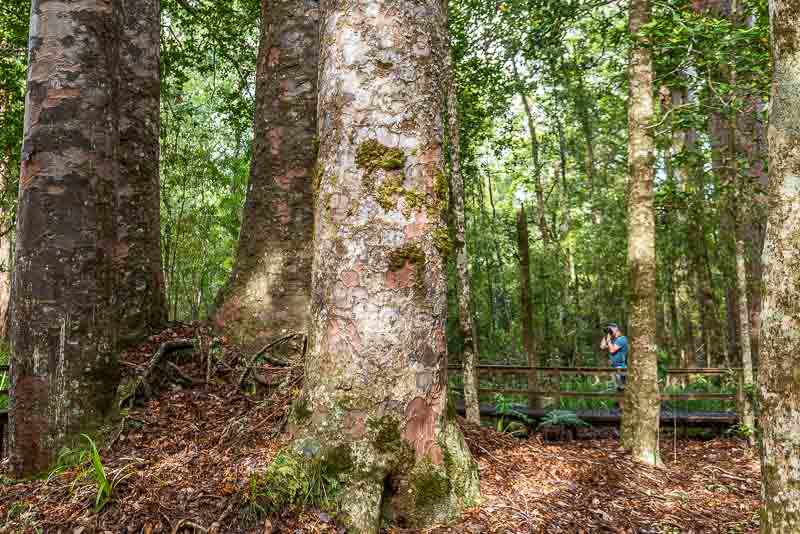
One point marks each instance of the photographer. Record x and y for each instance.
(617, 346)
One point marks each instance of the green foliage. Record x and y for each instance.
(561, 418)
(106, 485)
(741, 430)
(505, 408)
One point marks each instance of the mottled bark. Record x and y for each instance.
(466, 326)
(267, 293)
(642, 405)
(779, 369)
(375, 384)
(744, 320)
(526, 303)
(64, 370)
(6, 266)
(137, 249)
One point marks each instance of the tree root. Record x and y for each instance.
(143, 386)
(261, 353)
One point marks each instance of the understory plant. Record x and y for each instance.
(295, 479)
(564, 418)
(105, 484)
(505, 409)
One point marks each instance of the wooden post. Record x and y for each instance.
(740, 400)
(532, 386)
(557, 390)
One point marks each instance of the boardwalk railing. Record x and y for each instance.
(534, 389)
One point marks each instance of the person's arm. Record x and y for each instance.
(604, 343)
(613, 348)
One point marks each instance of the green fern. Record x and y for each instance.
(561, 418)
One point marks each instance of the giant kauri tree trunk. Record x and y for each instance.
(778, 375)
(62, 325)
(137, 248)
(375, 394)
(642, 401)
(267, 293)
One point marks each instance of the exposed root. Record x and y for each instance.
(262, 353)
(143, 388)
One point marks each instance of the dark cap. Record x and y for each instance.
(612, 325)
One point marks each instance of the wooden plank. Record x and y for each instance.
(700, 396)
(512, 369)
(605, 394)
(613, 417)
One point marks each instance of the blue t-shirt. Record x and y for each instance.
(620, 358)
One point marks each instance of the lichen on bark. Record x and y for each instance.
(376, 365)
(640, 421)
(778, 385)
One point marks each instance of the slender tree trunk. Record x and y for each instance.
(642, 404)
(137, 249)
(267, 293)
(778, 376)
(64, 369)
(466, 327)
(375, 377)
(489, 265)
(744, 318)
(526, 304)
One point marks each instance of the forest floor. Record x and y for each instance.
(185, 459)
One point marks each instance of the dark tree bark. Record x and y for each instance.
(64, 370)
(137, 248)
(526, 303)
(375, 382)
(642, 405)
(778, 376)
(267, 293)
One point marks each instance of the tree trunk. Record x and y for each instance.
(6, 268)
(778, 376)
(375, 389)
(744, 320)
(267, 293)
(470, 356)
(490, 271)
(137, 248)
(526, 304)
(642, 405)
(64, 369)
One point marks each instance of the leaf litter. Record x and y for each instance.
(186, 457)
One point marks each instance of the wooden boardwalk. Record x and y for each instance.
(613, 417)
(546, 382)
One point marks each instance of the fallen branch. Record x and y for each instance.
(270, 359)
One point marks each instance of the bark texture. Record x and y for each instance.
(744, 319)
(375, 385)
(267, 293)
(64, 370)
(779, 370)
(642, 405)
(526, 303)
(466, 326)
(137, 249)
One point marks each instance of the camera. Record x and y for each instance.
(607, 330)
